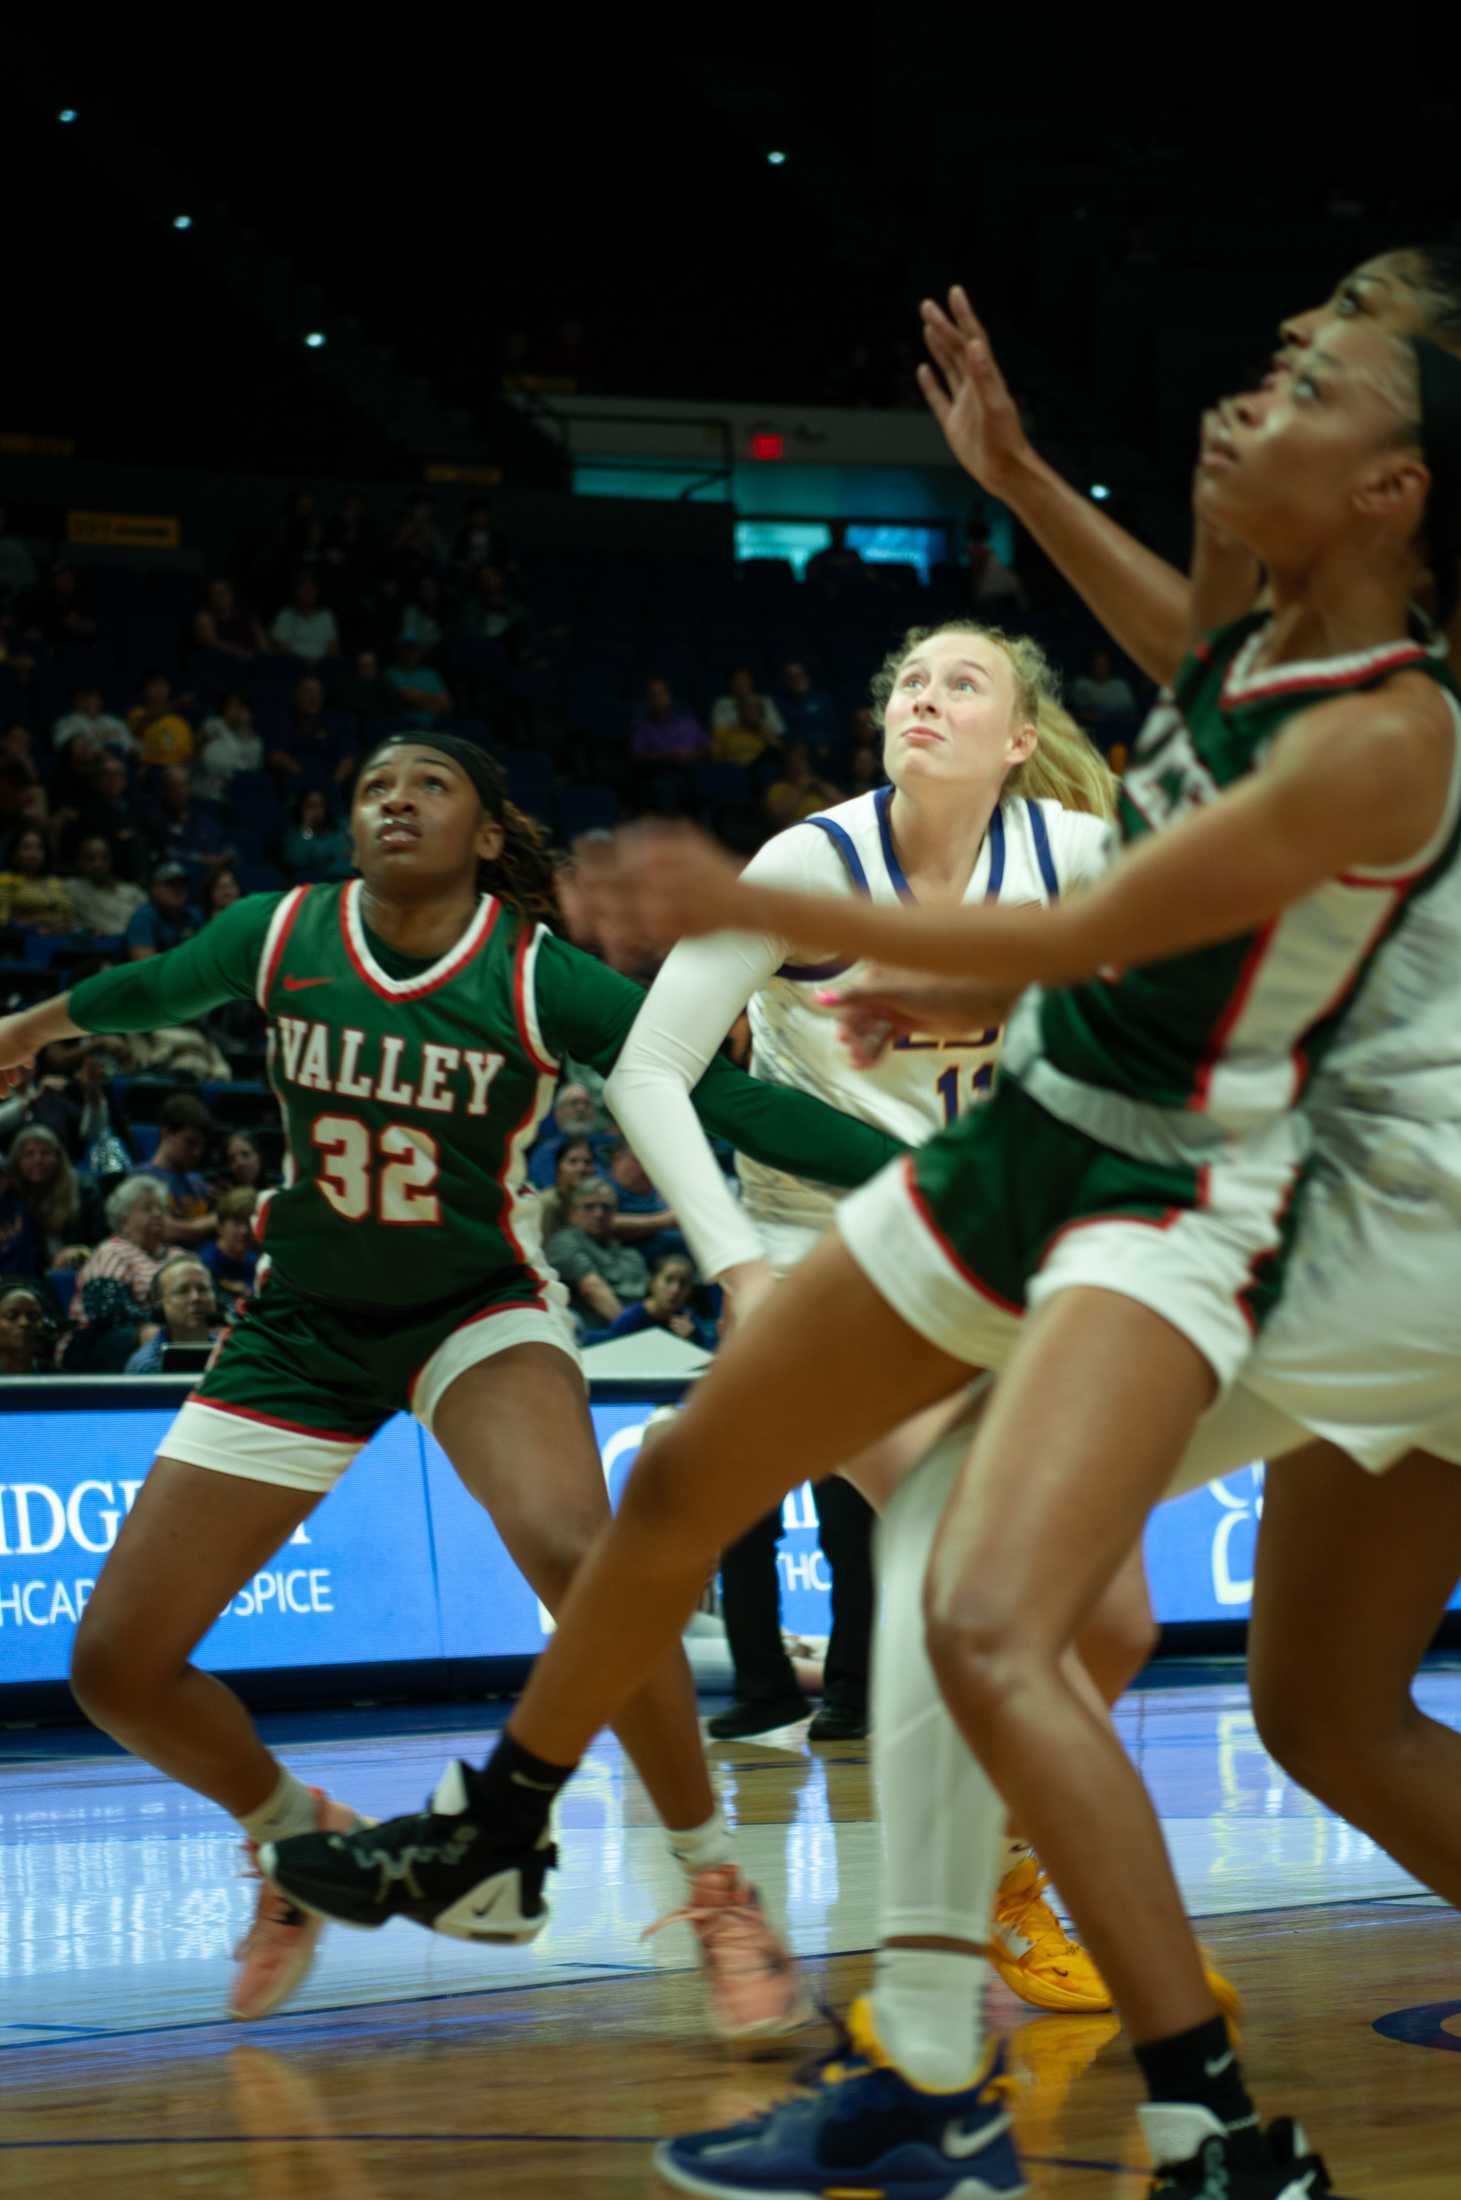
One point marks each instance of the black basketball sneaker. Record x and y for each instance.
(441, 1867)
(1209, 2171)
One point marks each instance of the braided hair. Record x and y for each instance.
(524, 875)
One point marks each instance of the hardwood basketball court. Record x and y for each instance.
(413, 2065)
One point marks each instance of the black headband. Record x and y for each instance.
(484, 773)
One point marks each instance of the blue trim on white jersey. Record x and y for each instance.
(996, 854)
(1041, 836)
(842, 841)
(882, 802)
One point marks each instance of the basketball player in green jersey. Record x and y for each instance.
(417, 1022)
(1129, 1182)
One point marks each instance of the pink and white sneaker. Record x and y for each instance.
(755, 1990)
(276, 1952)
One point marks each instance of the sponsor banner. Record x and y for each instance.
(126, 530)
(400, 1562)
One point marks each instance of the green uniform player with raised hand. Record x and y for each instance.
(417, 1018)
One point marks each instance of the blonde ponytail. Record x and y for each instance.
(1065, 766)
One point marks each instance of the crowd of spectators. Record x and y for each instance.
(137, 804)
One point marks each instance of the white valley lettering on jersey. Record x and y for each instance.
(401, 1072)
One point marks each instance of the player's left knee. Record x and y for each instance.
(984, 1661)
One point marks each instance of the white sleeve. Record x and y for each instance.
(771, 717)
(687, 1012)
(1084, 846)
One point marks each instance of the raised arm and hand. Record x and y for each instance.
(1145, 604)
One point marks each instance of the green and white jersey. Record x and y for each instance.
(1206, 1046)
(412, 1091)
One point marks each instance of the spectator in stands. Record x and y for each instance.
(232, 1259)
(837, 568)
(808, 712)
(575, 1114)
(88, 716)
(22, 1240)
(642, 1218)
(492, 613)
(350, 550)
(136, 1216)
(18, 746)
(422, 617)
(70, 1096)
(226, 625)
(305, 627)
(993, 586)
(67, 1212)
(185, 1308)
(664, 732)
(177, 1166)
(21, 798)
(745, 737)
(367, 694)
(741, 687)
(316, 845)
(105, 806)
(58, 613)
(319, 747)
(162, 732)
(303, 532)
(602, 1276)
(478, 541)
(166, 918)
(421, 689)
(799, 792)
(228, 744)
(666, 1305)
(182, 829)
(30, 896)
(573, 1161)
(17, 566)
(1100, 694)
(865, 765)
(419, 546)
(102, 902)
(243, 1166)
(27, 1327)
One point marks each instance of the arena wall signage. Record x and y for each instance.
(400, 1564)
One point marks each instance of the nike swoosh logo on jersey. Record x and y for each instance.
(297, 985)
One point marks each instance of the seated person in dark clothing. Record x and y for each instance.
(167, 918)
(104, 805)
(232, 1259)
(643, 1219)
(666, 1305)
(316, 845)
(602, 1276)
(181, 829)
(319, 749)
(366, 693)
(27, 1327)
(177, 1166)
(226, 625)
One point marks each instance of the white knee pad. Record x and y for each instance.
(943, 1821)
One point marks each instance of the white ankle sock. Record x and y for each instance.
(698, 1848)
(289, 1810)
(926, 2011)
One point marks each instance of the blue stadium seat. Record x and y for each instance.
(585, 810)
(63, 1288)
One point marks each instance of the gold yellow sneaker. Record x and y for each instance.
(1035, 1955)
(1037, 1959)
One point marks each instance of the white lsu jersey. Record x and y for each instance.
(1033, 852)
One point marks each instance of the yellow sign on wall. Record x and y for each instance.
(126, 530)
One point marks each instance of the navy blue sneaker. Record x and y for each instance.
(863, 2127)
(1194, 2154)
(441, 1867)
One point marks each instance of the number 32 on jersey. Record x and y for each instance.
(386, 1176)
